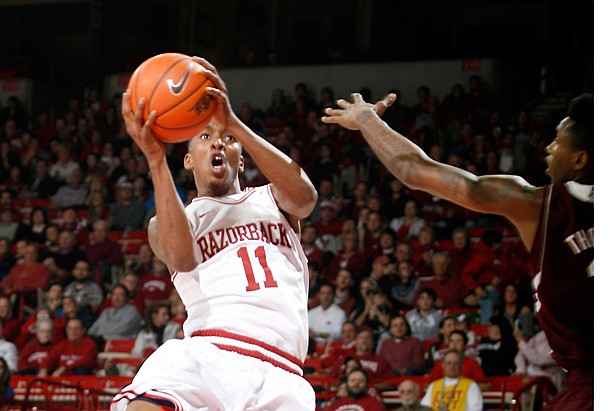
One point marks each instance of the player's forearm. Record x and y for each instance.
(505, 195)
(409, 163)
(169, 231)
(283, 172)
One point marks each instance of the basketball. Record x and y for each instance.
(175, 86)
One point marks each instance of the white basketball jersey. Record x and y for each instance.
(252, 279)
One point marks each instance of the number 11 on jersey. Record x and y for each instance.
(261, 256)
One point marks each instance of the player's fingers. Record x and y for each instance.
(343, 103)
(382, 105)
(357, 97)
(150, 120)
(140, 109)
(333, 111)
(327, 119)
(206, 64)
(389, 99)
(125, 106)
(214, 77)
(216, 93)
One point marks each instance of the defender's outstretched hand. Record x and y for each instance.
(351, 115)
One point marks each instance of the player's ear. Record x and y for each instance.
(242, 167)
(188, 161)
(582, 159)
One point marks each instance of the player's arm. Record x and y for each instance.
(508, 196)
(169, 232)
(292, 189)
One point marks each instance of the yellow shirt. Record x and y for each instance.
(452, 398)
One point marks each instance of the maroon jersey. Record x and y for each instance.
(563, 255)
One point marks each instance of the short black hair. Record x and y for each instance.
(428, 291)
(581, 131)
(460, 333)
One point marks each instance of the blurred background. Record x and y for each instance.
(66, 47)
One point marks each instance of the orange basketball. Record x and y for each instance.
(175, 86)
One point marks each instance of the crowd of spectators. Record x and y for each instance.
(389, 262)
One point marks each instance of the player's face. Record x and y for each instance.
(215, 159)
(562, 160)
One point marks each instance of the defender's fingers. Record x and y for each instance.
(382, 105)
(389, 99)
(343, 103)
(357, 97)
(333, 111)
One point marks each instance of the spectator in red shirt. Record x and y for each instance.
(403, 352)
(488, 270)
(156, 285)
(462, 251)
(31, 325)
(374, 364)
(370, 234)
(358, 396)
(348, 256)
(344, 289)
(328, 226)
(75, 355)
(450, 289)
(102, 252)
(470, 367)
(36, 351)
(26, 278)
(344, 347)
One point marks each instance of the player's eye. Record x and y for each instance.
(229, 138)
(205, 136)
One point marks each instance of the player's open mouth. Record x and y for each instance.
(218, 165)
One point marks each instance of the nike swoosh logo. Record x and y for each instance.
(204, 214)
(177, 88)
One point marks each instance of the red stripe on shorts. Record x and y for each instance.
(252, 353)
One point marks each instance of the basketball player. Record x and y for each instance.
(237, 263)
(555, 223)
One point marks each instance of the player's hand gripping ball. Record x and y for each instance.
(176, 87)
